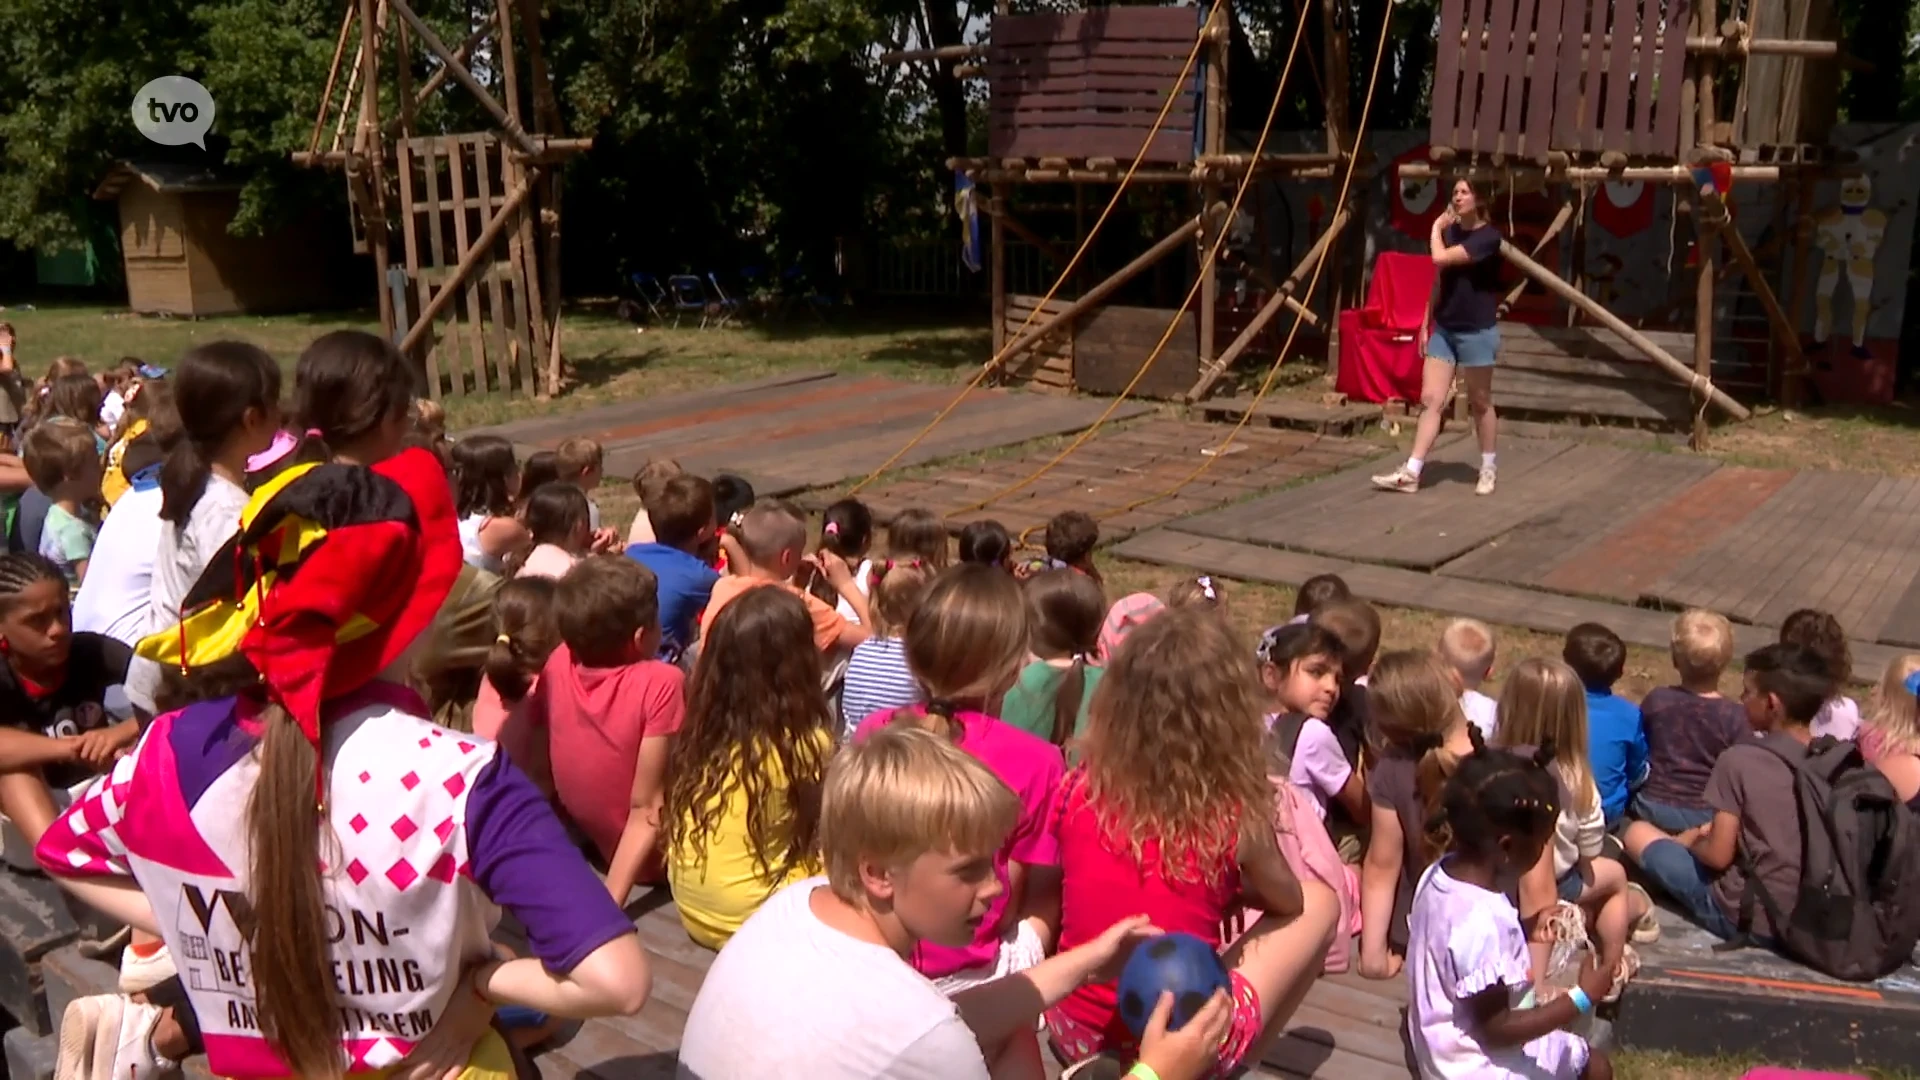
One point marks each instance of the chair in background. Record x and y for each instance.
(728, 309)
(1380, 343)
(689, 297)
(651, 294)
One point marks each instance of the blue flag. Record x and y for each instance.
(965, 206)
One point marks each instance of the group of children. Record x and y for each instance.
(923, 798)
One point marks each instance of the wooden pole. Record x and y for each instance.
(439, 76)
(1214, 142)
(333, 73)
(1712, 211)
(1080, 237)
(1792, 382)
(477, 251)
(1579, 243)
(1707, 238)
(1553, 229)
(1598, 313)
(997, 236)
(529, 266)
(515, 133)
(368, 141)
(1172, 242)
(1280, 298)
(1653, 174)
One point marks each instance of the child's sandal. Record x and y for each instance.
(1623, 973)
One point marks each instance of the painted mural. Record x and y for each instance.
(1847, 294)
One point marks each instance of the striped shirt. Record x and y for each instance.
(877, 678)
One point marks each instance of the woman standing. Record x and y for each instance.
(1461, 332)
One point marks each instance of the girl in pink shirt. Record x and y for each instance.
(1170, 813)
(525, 636)
(965, 644)
(560, 522)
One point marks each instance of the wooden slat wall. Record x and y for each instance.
(1504, 95)
(1049, 364)
(1110, 344)
(1090, 84)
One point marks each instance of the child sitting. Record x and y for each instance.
(1054, 692)
(77, 398)
(646, 486)
(486, 484)
(743, 799)
(1170, 813)
(1689, 726)
(1300, 668)
(1754, 839)
(541, 468)
(65, 466)
(1616, 738)
(580, 462)
(135, 422)
(732, 498)
(680, 555)
(1071, 538)
(1467, 959)
(430, 426)
(846, 529)
(1200, 591)
(1889, 734)
(1543, 706)
(1356, 625)
(908, 824)
(1317, 592)
(1422, 735)
(987, 543)
(917, 534)
(55, 731)
(560, 528)
(609, 710)
(771, 543)
(878, 677)
(965, 646)
(525, 636)
(1822, 633)
(1467, 647)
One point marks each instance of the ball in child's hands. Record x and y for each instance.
(1176, 963)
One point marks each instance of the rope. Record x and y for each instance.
(1266, 386)
(1173, 95)
(1213, 251)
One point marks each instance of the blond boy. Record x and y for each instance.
(1466, 645)
(582, 463)
(909, 824)
(769, 548)
(1689, 725)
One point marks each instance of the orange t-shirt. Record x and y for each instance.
(827, 623)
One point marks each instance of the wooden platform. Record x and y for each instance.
(1348, 1029)
(1116, 467)
(1580, 531)
(805, 429)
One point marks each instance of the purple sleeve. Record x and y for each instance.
(523, 861)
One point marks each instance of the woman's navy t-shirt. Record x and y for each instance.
(1470, 294)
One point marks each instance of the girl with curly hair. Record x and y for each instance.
(1827, 639)
(1170, 814)
(742, 813)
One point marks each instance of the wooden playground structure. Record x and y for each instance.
(1549, 97)
(475, 298)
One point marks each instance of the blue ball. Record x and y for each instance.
(1181, 964)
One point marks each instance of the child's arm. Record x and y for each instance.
(840, 576)
(98, 748)
(1379, 881)
(1266, 880)
(1008, 1006)
(1496, 1023)
(80, 571)
(1040, 902)
(1717, 844)
(20, 750)
(643, 819)
(27, 802)
(1352, 797)
(1638, 765)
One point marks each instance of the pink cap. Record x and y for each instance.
(283, 444)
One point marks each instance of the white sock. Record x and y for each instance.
(1414, 465)
(1486, 461)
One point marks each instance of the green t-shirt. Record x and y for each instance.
(1029, 705)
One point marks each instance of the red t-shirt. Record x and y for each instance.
(1102, 884)
(596, 719)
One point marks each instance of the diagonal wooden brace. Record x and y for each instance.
(477, 252)
(514, 132)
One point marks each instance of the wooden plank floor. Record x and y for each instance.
(802, 430)
(1348, 1029)
(1581, 529)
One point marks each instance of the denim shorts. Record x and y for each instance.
(1571, 885)
(1464, 348)
(1667, 817)
(1674, 871)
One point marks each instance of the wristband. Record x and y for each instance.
(1143, 1070)
(1580, 1000)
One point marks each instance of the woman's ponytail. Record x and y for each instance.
(213, 387)
(292, 973)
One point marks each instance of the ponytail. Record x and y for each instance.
(183, 479)
(213, 388)
(526, 635)
(292, 971)
(1436, 764)
(1066, 700)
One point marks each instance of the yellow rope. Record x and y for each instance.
(1174, 95)
(1213, 251)
(1273, 372)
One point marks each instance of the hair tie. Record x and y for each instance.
(1081, 658)
(1206, 587)
(738, 517)
(832, 528)
(943, 707)
(503, 639)
(1912, 684)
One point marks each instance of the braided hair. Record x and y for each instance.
(20, 570)
(1493, 794)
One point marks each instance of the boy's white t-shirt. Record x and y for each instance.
(1482, 711)
(113, 600)
(791, 996)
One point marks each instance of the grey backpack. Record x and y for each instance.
(1857, 912)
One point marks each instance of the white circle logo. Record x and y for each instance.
(173, 110)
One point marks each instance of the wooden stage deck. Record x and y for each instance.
(1581, 531)
(1349, 1029)
(802, 430)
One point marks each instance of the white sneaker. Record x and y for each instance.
(1400, 479)
(108, 1037)
(136, 1059)
(1487, 479)
(139, 974)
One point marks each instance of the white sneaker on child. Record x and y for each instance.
(139, 974)
(1401, 479)
(108, 1037)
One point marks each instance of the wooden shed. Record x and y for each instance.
(181, 260)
